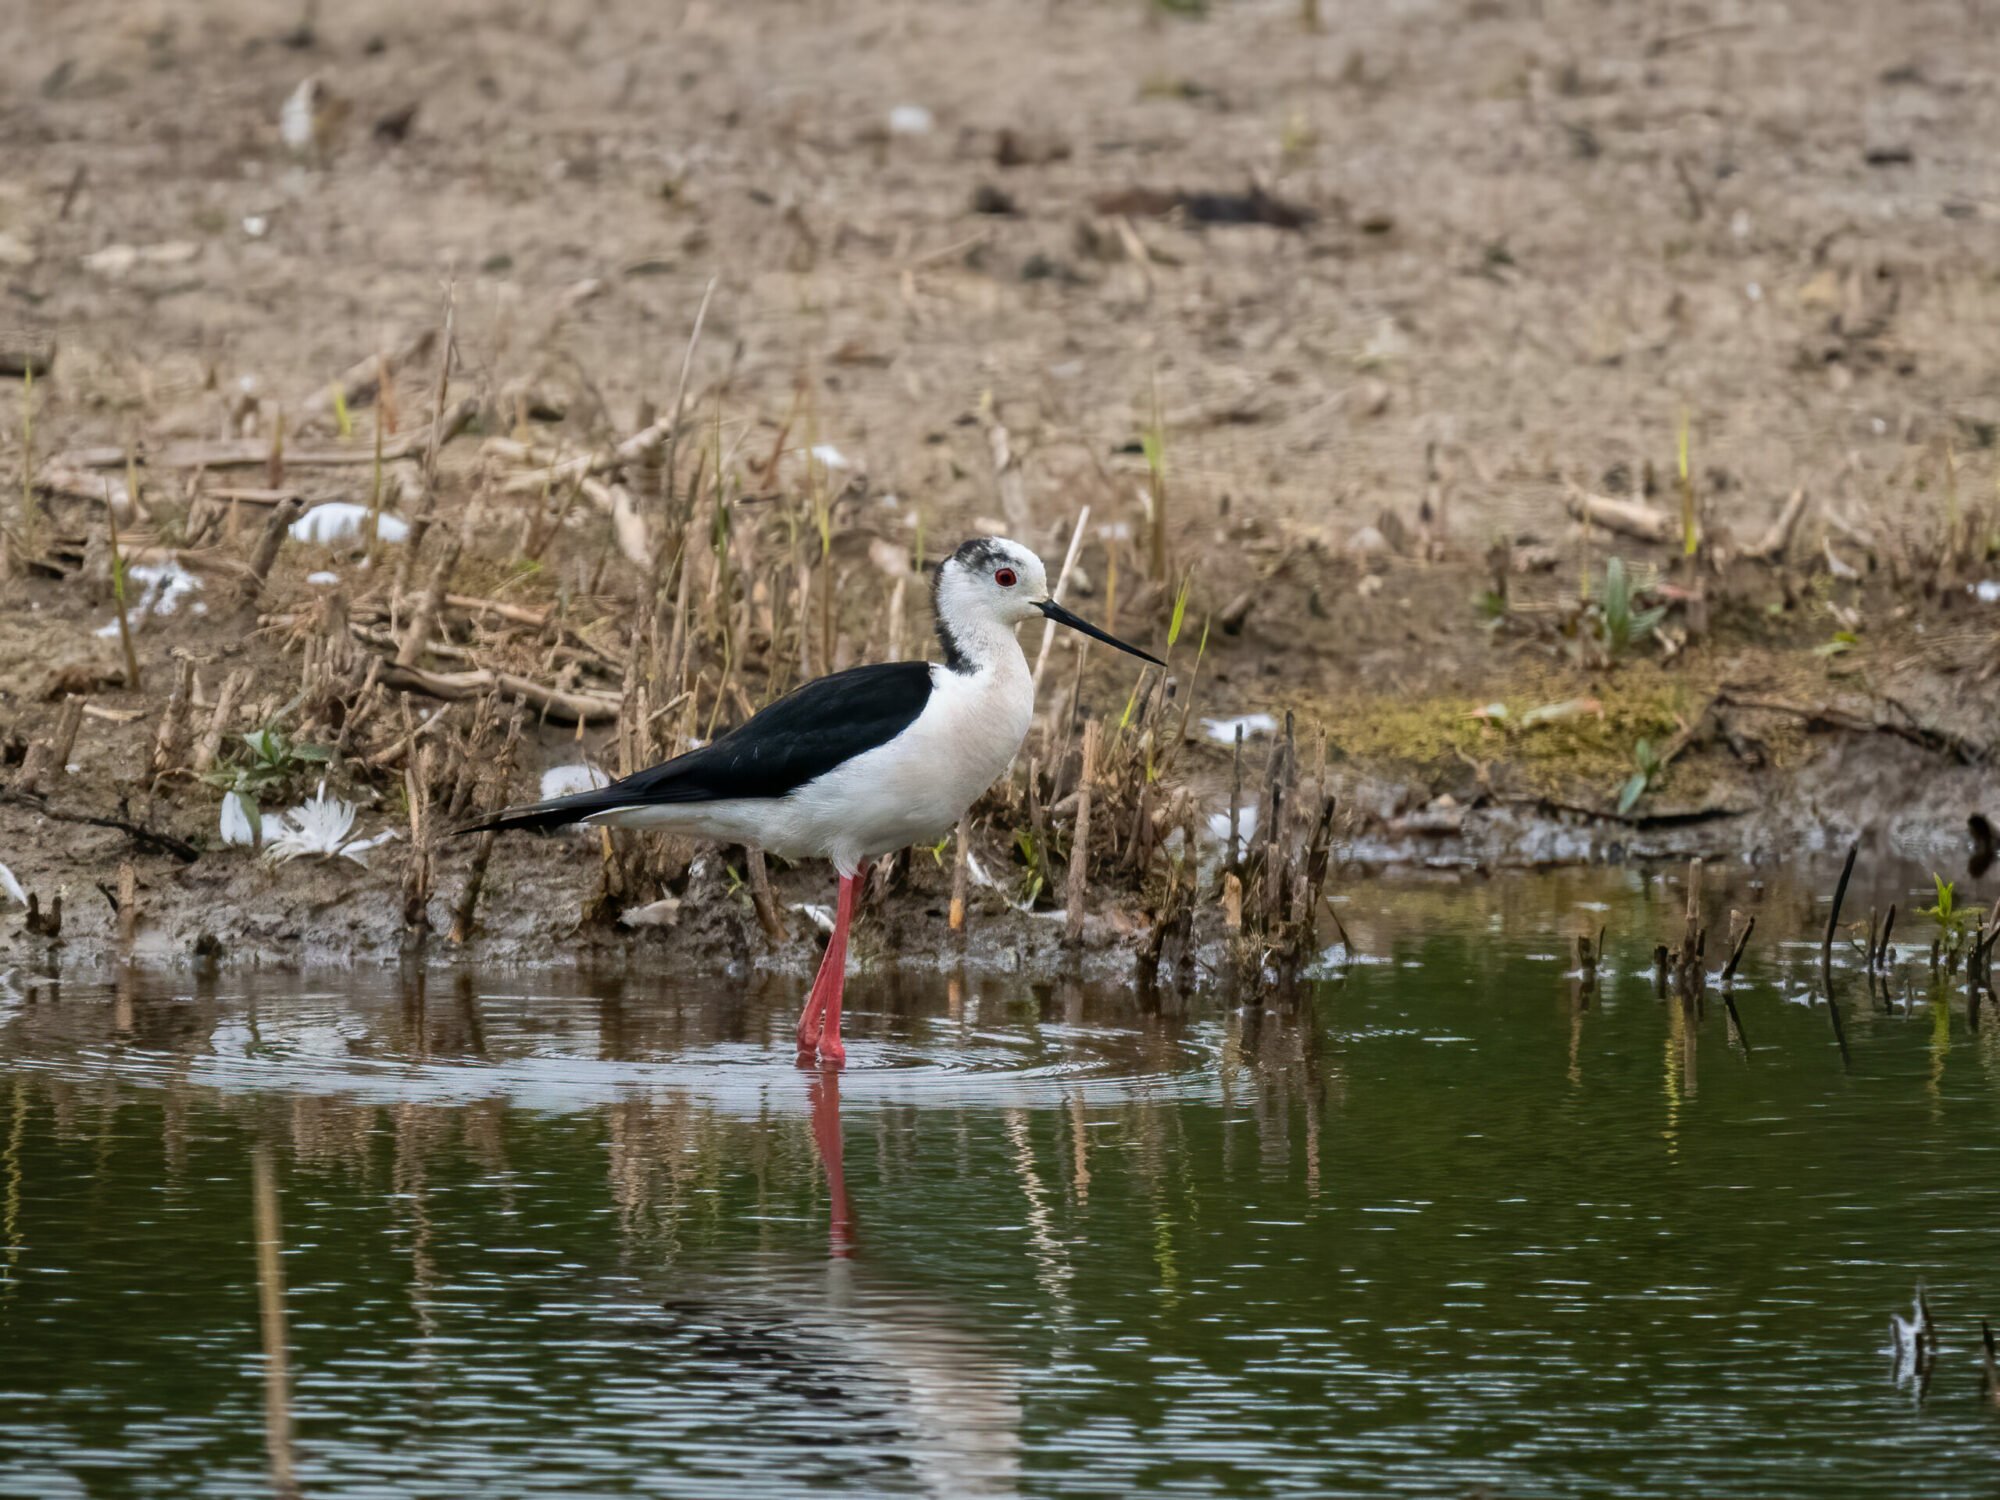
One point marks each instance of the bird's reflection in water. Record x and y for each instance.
(880, 1377)
(824, 1092)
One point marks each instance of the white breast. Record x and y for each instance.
(914, 789)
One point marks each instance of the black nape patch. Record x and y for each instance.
(976, 556)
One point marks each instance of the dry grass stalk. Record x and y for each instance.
(760, 895)
(418, 870)
(961, 870)
(1076, 536)
(1079, 851)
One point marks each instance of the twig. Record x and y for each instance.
(253, 453)
(1771, 548)
(561, 707)
(362, 380)
(146, 838)
(1626, 517)
(1929, 737)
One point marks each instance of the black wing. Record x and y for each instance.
(802, 736)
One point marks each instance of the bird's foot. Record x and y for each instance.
(831, 1053)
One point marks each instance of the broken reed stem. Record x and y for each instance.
(417, 873)
(276, 529)
(424, 617)
(128, 905)
(233, 688)
(170, 743)
(1079, 851)
(961, 871)
(475, 879)
(271, 1307)
(52, 754)
(760, 891)
(1833, 920)
(1736, 950)
(1693, 928)
(1881, 955)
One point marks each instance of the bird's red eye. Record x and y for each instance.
(1005, 578)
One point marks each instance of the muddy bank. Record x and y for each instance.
(543, 903)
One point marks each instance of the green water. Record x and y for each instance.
(1450, 1224)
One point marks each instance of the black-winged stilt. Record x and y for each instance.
(860, 763)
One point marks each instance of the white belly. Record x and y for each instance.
(912, 790)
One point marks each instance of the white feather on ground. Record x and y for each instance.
(159, 591)
(1223, 731)
(237, 825)
(340, 521)
(10, 887)
(320, 827)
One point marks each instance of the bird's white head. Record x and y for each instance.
(986, 588)
(990, 578)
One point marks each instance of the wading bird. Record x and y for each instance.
(858, 764)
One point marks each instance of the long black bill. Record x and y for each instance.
(1062, 616)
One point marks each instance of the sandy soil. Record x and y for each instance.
(1544, 239)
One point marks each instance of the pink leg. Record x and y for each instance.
(815, 1006)
(829, 1045)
